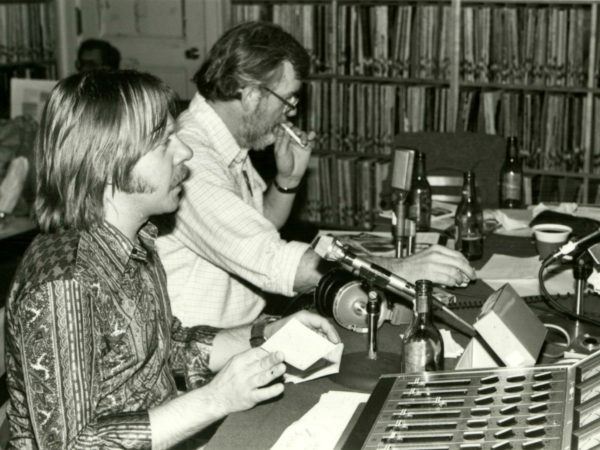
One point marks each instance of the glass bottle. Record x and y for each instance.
(422, 346)
(469, 221)
(420, 195)
(511, 177)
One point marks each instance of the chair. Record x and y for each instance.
(446, 188)
(450, 154)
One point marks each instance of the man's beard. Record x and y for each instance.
(139, 185)
(256, 132)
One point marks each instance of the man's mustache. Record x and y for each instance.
(180, 176)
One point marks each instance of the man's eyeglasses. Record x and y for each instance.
(290, 104)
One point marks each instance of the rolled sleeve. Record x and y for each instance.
(284, 267)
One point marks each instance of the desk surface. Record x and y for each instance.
(260, 427)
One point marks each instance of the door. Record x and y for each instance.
(168, 38)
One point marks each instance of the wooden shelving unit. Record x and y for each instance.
(528, 68)
(27, 44)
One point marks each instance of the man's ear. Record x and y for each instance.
(251, 96)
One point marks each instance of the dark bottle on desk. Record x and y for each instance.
(420, 196)
(469, 221)
(422, 346)
(511, 177)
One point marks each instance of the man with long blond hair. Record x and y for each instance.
(91, 341)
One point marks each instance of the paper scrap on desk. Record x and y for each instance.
(322, 426)
(522, 275)
(438, 210)
(305, 350)
(428, 238)
(452, 349)
(379, 243)
(511, 219)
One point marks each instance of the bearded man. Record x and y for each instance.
(224, 249)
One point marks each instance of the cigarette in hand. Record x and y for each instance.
(291, 133)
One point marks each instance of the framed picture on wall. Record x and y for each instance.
(28, 96)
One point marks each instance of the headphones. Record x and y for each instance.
(344, 297)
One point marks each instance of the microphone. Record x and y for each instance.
(331, 249)
(402, 169)
(401, 180)
(570, 247)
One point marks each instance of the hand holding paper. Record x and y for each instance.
(306, 350)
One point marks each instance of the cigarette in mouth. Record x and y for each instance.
(293, 135)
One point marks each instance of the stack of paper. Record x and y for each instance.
(522, 274)
(321, 427)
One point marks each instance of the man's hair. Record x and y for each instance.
(111, 57)
(249, 54)
(94, 128)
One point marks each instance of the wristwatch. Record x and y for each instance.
(286, 190)
(257, 332)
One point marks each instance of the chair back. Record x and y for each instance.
(451, 154)
(446, 188)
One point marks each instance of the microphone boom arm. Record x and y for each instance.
(331, 249)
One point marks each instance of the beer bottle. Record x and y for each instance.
(420, 196)
(511, 177)
(469, 221)
(422, 345)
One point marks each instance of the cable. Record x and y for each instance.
(554, 304)
(562, 331)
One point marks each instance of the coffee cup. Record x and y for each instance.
(549, 237)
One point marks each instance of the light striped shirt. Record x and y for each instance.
(221, 251)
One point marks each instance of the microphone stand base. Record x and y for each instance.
(359, 372)
(584, 337)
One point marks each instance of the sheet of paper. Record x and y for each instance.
(522, 274)
(313, 348)
(505, 267)
(442, 215)
(441, 210)
(379, 243)
(511, 219)
(321, 427)
(452, 349)
(328, 365)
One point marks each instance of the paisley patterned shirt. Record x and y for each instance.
(91, 343)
